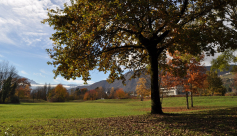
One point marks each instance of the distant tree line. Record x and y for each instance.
(41, 92)
(61, 94)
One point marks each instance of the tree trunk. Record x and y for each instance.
(191, 95)
(191, 99)
(162, 96)
(160, 92)
(155, 95)
(187, 99)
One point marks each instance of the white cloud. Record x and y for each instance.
(52, 85)
(1, 56)
(5, 39)
(71, 81)
(58, 80)
(46, 72)
(23, 72)
(39, 74)
(208, 59)
(21, 53)
(42, 71)
(20, 22)
(35, 34)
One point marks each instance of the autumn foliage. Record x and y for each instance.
(185, 70)
(120, 94)
(90, 95)
(142, 88)
(23, 88)
(112, 93)
(59, 94)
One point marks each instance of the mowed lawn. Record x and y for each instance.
(211, 115)
(65, 110)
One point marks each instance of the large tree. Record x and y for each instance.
(106, 35)
(185, 70)
(8, 81)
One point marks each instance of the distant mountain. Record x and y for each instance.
(72, 84)
(131, 84)
(31, 81)
(221, 72)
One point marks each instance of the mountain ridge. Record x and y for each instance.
(130, 84)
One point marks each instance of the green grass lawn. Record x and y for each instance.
(100, 117)
(65, 110)
(219, 101)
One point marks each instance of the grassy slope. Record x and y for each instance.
(67, 118)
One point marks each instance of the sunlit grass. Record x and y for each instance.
(119, 117)
(88, 109)
(201, 101)
(101, 108)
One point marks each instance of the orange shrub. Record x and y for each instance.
(120, 94)
(90, 95)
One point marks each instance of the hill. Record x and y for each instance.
(221, 72)
(131, 84)
(29, 80)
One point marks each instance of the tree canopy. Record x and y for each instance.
(106, 35)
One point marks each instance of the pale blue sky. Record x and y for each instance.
(23, 40)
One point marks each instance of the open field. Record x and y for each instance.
(210, 116)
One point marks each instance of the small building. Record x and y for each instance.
(177, 90)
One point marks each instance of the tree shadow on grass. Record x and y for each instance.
(215, 122)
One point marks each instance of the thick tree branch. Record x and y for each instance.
(163, 35)
(121, 47)
(160, 29)
(185, 5)
(143, 40)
